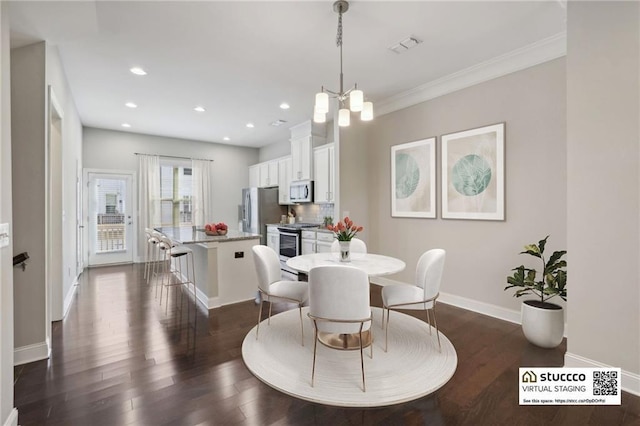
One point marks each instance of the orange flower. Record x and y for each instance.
(345, 229)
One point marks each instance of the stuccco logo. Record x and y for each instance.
(529, 377)
(563, 377)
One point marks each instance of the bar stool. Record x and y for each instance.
(152, 241)
(177, 253)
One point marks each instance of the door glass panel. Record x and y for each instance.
(110, 211)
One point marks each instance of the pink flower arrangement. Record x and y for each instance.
(345, 230)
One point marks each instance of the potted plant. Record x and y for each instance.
(542, 321)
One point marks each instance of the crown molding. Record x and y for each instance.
(533, 54)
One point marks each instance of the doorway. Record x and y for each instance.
(110, 218)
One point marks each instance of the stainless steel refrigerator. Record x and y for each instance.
(260, 207)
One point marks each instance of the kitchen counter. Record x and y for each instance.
(187, 235)
(224, 268)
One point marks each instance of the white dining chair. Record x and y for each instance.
(272, 287)
(339, 304)
(421, 296)
(357, 246)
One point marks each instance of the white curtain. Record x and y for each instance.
(148, 196)
(201, 192)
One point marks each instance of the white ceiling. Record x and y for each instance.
(240, 59)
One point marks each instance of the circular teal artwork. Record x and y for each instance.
(407, 175)
(471, 175)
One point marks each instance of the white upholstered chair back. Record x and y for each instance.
(267, 266)
(357, 246)
(429, 272)
(339, 293)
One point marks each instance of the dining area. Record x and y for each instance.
(336, 348)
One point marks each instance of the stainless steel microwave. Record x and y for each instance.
(301, 191)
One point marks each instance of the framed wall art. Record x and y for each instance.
(472, 164)
(413, 179)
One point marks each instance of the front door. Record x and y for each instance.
(110, 218)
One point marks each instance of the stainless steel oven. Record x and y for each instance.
(291, 246)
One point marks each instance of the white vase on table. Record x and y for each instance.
(345, 251)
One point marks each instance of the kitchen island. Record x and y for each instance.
(224, 268)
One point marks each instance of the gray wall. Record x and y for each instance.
(33, 69)
(28, 88)
(480, 254)
(275, 150)
(108, 149)
(6, 269)
(603, 172)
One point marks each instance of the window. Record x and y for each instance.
(175, 193)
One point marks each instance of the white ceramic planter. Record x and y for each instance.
(543, 327)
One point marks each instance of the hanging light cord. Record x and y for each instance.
(339, 44)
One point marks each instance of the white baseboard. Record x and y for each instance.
(12, 419)
(68, 299)
(465, 303)
(483, 308)
(31, 353)
(630, 381)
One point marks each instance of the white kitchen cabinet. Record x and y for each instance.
(324, 241)
(301, 153)
(308, 242)
(284, 180)
(254, 175)
(324, 174)
(273, 238)
(268, 173)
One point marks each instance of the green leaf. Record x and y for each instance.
(542, 243)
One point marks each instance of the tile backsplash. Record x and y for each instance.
(313, 213)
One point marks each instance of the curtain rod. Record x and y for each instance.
(174, 156)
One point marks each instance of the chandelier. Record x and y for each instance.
(355, 96)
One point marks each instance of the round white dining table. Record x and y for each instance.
(374, 265)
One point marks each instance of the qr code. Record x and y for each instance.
(605, 383)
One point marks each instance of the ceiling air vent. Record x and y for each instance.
(277, 123)
(406, 44)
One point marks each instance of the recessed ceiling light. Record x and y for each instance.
(284, 105)
(250, 125)
(138, 71)
(226, 138)
(199, 109)
(131, 105)
(127, 125)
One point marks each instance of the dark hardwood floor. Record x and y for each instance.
(118, 359)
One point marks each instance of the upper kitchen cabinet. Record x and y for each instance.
(303, 138)
(284, 179)
(324, 174)
(268, 173)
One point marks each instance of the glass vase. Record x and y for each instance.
(345, 251)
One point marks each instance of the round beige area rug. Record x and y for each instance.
(412, 368)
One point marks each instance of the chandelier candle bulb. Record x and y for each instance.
(344, 117)
(322, 103)
(367, 111)
(356, 97)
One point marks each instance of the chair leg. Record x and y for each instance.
(270, 305)
(259, 317)
(315, 346)
(364, 386)
(386, 334)
(382, 325)
(301, 324)
(435, 322)
(428, 320)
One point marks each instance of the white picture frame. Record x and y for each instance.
(473, 176)
(413, 179)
